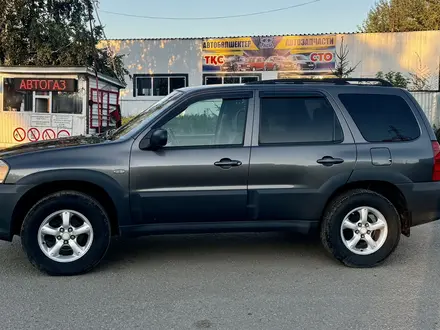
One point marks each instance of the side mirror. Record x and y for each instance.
(154, 140)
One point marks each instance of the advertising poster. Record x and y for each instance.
(304, 55)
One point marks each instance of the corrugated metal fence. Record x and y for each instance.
(430, 103)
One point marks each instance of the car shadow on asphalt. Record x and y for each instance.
(153, 249)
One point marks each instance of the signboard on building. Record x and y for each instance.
(42, 120)
(46, 85)
(307, 55)
(62, 121)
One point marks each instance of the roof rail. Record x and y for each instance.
(336, 81)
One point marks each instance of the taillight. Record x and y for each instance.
(436, 169)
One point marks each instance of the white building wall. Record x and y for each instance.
(102, 84)
(156, 57)
(406, 52)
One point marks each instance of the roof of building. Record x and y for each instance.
(55, 69)
(267, 35)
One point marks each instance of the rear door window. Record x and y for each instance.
(381, 118)
(292, 120)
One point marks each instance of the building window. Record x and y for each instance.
(217, 79)
(42, 102)
(16, 100)
(66, 103)
(158, 85)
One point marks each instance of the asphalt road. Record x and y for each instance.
(239, 281)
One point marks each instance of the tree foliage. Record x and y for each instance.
(403, 16)
(54, 32)
(397, 79)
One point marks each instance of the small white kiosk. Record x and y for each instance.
(43, 103)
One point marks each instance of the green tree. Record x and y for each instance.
(54, 32)
(402, 16)
(397, 79)
(343, 69)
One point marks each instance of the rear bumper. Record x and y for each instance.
(423, 200)
(9, 196)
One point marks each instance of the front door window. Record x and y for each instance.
(211, 122)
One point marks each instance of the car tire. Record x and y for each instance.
(339, 236)
(74, 254)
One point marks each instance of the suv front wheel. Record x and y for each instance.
(360, 228)
(66, 233)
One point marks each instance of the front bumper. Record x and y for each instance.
(423, 200)
(9, 196)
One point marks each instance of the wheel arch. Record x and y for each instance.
(97, 185)
(386, 189)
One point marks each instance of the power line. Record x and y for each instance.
(99, 19)
(109, 49)
(212, 17)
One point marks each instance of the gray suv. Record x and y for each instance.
(355, 159)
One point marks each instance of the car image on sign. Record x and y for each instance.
(276, 63)
(302, 63)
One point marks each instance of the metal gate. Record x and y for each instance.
(102, 103)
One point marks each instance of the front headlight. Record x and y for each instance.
(4, 169)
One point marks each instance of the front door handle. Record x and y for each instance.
(329, 161)
(227, 163)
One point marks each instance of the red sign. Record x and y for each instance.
(33, 134)
(19, 134)
(48, 134)
(63, 133)
(214, 59)
(322, 57)
(46, 85)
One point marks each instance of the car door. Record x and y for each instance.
(302, 151)
(202, 172)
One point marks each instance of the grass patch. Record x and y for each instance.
(126, 119)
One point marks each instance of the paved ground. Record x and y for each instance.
(244, 281)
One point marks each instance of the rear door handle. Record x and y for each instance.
(226, 162)
(329, 161)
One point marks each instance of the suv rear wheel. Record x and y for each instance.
(360, 228)
(66, 233)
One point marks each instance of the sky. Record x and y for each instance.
(322, 16)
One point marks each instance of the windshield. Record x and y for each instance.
(147, 115)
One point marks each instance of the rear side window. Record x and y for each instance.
(381, 118)
(298, 120)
